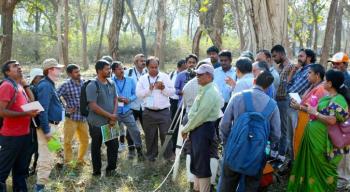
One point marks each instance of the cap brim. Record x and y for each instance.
(59, 66)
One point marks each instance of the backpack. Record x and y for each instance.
(84, 104)
(245, 147)
(13, 99)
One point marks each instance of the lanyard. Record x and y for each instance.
(120, 90)
(149, 81)
(137, 77)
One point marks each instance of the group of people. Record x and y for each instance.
(213, 97)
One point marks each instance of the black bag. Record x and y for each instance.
(12, 100)
(84, 104)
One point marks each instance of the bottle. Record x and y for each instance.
(268, 148)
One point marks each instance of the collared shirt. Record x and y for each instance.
(125, 88)
(135, 75)
(70, 91)
(270, 91)
(48, 98)
(219, 79)
(284, 72)
(300, 83)
(206, 107)
(155, 99)
(276, 77)
(190, 92)
(236, 107)
(173, 76)
(244, 83)
(216, 65)
(181, 79)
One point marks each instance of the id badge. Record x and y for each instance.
(150, 101)
(63, 115)
(120, 104)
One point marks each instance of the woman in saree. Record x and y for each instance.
(314, 93)
(315, 167)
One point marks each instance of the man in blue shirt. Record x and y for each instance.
(125, 88)
(223, 74)
(259, 67)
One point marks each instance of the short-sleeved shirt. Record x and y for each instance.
(14, 126)
(104, 98)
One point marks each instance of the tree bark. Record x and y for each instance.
(7, 9)
(196, 41)
(114, 28)
(338, 27)
(189, 19)
(161, 32)
(315, 22)
(138, 27)
(66, 33)
(235, 9)
(267, 23)
(328, 38)
(83, 26)
(100, 13)
(59, 30)
(98, 56)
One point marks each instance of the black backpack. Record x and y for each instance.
(13, 99)
(84, 104)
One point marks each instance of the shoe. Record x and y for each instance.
(131, 154)
(39, 188)
(140, 155)
(96, 174)
(3, 187)
(114, 173)
(122, 147)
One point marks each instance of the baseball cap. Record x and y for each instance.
(339, 57)
(51, 63)
(35, 72)
(205, 68)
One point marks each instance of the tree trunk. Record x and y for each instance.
(189, 18)
(7, 9)
(98, 56)
(100, 13)
(328, 38)
(114, 28)
(267, 23)
(338, 27)
(138, 27)
(161, 32)
(235, 9)
(83, 27)
(196, 41)
(315, 22)
(59, 30)
(66, 33)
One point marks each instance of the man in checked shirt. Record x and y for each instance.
(74, 121)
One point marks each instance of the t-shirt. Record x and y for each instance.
(14, 126)
(104, 99)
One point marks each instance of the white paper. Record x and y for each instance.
(32, 106)
(296, 97)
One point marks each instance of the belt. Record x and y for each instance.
(54, 122)
(156, 110)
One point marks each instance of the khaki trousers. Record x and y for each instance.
(201, 184)
(81, 128)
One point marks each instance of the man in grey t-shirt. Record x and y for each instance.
(101, 95)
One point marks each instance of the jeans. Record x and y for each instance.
(129, 121)
(14, 156)
(112, 150)
(289, 119)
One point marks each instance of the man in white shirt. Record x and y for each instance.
(154, 89)
(174, 100)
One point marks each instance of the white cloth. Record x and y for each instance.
(276, 77)
(135, 75)
(190, 92)
(172, 77)
(155, 99)
(244, 83)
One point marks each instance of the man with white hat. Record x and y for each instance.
(340, 62)
(49, 118)
(204, 112)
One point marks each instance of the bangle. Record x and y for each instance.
(26, 86)
(317, 113)
(300, 108)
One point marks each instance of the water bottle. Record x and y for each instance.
(268, 148)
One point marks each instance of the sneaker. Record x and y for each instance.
(96, 174)
(140, 156)
(131, 154)
(39, 188)
(122, 147)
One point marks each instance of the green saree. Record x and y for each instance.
(315, 167)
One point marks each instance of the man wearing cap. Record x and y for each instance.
(205, 110)
(74, 122)
(49, 119)
(154, 89)
(15, 138)
(340, 62)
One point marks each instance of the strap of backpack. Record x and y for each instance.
(270, 107)
(13, 99)
(97, 87)
(130, 72)
(248, 101)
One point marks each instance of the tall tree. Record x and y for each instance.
(235, 7)
(66, 33)
(102, 31)
(161, 32)
(267, 23)
(6, 9)
(60, 7)
(114, 28)
(338, 26)
(83, 26)
(328, 38)
(140, 30)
